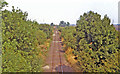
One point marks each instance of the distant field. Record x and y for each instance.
(117, 27)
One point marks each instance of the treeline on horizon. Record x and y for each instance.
(95, 41)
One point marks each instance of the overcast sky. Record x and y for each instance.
(48, 11)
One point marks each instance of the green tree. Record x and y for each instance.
(3, 4)
(68, 33)
(63, 24)
(20, 39)
(95, 42)
(68, 24)
(51, 24)
(97, 38)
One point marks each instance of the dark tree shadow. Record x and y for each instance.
(64, 68)
(62, 51)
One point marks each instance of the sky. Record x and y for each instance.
(48, 11)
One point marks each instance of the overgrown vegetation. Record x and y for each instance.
(95, 43)
(20, 41)
(68, 33)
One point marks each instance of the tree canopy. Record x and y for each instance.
(63, 24)
(20, 41)
(96, 43)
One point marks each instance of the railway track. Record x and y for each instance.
(57, 46)
(56, 60)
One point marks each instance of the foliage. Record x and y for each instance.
(52, 24)
(63, 24)
(46, 29)
(96, 43)
(3, 4)
(68, 33)
(20, 38)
